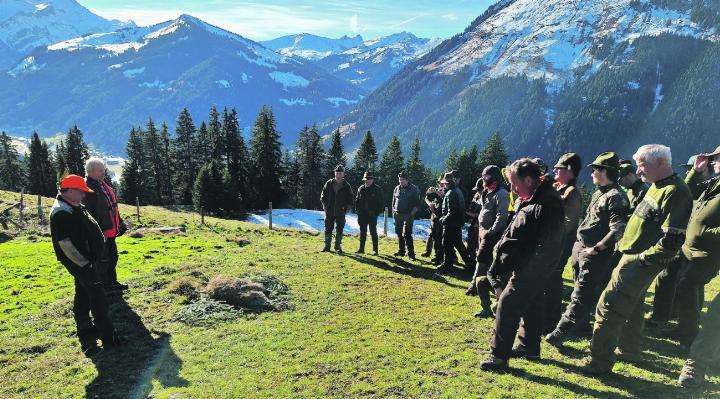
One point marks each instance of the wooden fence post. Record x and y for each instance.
(202, 215)
(385, 216)
(41, 218)
(137, 208)
(270, 215)
(22, 207)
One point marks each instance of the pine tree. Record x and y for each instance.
(467, 168)
(290, 180)
(310, 158)
(41, 171)
(131, 183)
(493, 153)
(266, 157)
(60, 166)
(366, 156)
(153, 165)
(11, 170)
(391, 164)
(203, 150)
(336, 154)
(184, 157)
(217, 140)
(208, 190)
(451, 162)
(76, 152)
(418, 173)
(165, 177)
(237, 158)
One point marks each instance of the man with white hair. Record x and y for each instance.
(103, 207)
(653, 236)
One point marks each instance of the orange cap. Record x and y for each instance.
(76, 182)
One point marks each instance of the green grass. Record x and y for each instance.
(362, 327)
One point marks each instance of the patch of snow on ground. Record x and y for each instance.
(336, 101)
(26, 65)
(289, 79)
(131, 73)
(156, 83)
(308, 220)
(295, 101)
(222, 83)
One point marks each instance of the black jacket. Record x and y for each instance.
(97, 205)
(336, 204)
(453, 208)
(534, 237)
(369, 201)
(76, 224)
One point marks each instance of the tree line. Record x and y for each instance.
(212, 167)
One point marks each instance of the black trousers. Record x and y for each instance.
(592, 275)
(90, 299)
(108, 264)
(337, 223)
(365, 222)
(692, 283)
(520, 313)
(403, 229)
(452, 239)
(473, 231)
(554, 288)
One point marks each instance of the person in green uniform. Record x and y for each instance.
(653, 236)
(635, 187)
(603, 225)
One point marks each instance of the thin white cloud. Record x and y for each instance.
(405, 22)
(450, 17)
(353, 24)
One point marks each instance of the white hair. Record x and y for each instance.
(653, 153)
(91, 163)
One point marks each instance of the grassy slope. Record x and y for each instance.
(362, 327)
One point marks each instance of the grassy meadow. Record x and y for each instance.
(362, 326)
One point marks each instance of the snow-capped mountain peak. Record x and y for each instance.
(552, 39)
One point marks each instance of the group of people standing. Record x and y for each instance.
(526, 224)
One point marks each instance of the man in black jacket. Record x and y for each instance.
(79, 244)
(102, 205)
(529, 250)
(368, 205)
(336, 199)
(452, 220)
(405, 204)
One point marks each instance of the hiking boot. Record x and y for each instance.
(594, 368)
(556, 337)
(360, 251)
(325, 250)
(339, 250)
(411, 256)
(399, 253)
(691, 376)
(484, 314)
(425, 254)
(495, 364)
(521, 352)
(471, 291)
(628, 357)
(375, 252)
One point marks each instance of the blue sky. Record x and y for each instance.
(332, 18)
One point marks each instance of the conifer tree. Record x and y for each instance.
(203, 150)
(467, 168)
(265, 160)
(184, 157)
(40, 168)
(391, 164)
(11, 170)
(310, 158)
(153, 164)
(166, 163)
(336, 154)
(76, 151)
(451, 162)
(237, 158)
(290, 180)
(419, 174)
(217, 140)
(493, 153)
(131, 183)
(61, 169)
(366, 156)
(208, 190)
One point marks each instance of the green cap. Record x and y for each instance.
(690, 162)
(570, 161)
(608, 160)
(625, 169)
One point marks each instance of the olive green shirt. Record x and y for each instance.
(606, 217)
(656, 229)
(636, 193)
(703, 233)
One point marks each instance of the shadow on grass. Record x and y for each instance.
(127, 372)
(404, 267)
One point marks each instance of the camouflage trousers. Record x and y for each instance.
(619, 316)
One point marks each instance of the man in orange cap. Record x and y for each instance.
(79, 244)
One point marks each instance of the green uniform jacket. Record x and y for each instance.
(606, 217)
(636, 193)
(702, 242)
(656, 230)
(336, 204)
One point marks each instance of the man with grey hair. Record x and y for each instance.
(653, 236)
(102, 205)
